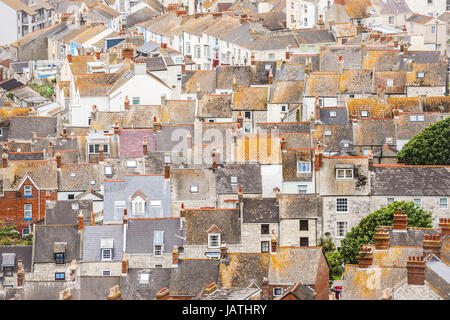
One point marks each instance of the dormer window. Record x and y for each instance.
(59, 250)
(8, 261)
(106, 247)
(138, 203)
(214, 240)
(27, 190)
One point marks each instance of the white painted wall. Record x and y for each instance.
(271, 177)
(8, 24)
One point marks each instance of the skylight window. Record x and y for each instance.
(328, 132)
(144, 278)
(332, 114)
(92, 182)
(364, 113)
(108, 170)
(233, 179)
(73, 174)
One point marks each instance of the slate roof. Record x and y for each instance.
(133, 290)
(47, 290)
(178, 111)
(248, 177)
(355, 81)
(42, 172)
(286, 127)
(185, 280)
(155, 187)
(215, 106)
(140, 235)
(290, 159)
(340, 118)
(290, 72)
(67, 211)
(45, 237)
(34, 155)
(351, 55)
(412, 237)
(250, 98)
(405, 291)
(286, 92)
(341, 135)
(131, 141)
(165, 142)
(384, 59)
(242, 269)
(22, 128)
(140, 116)
(92, 237)
(79, 177)
(297, 206)
(434, 75)
(374, 131)
(206, 79)
(260, 210)
(437, 273)
(322, 84)
(120, 168)
(11, 84)
(300, 291)
(418, 18)
(410, 180)
(153, 63)
(198, 221)
(407, 129)
(21, 253)
(398, 79)
(96, 288)
(182, 179)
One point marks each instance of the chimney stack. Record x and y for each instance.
(340, 65)
(94, 113)
(396, 112)
(80, 221)
(126, 104)
(416, 270)
(270, 79)
(166, 171)
(125, 216)
(382, 239)
(116, 128)
(69, 58)
(156, 125)
(50, 150)
(444, 224)
(318, 156)
(97, 55)
(210, 288)
(73, 270)
(223, 251)
(20, 274)
(363, 49)
(365, 257)
(58, 160)
(288, 54)
(144, 147)
(252, 59)
(124, 265)
(163, 294)
(114, 293)
(432, 244)
(400, 220)
(175, 257)
(183, 68)
(101, 156)
(265, 289)
(273, 244)
(234, 83)
(5, 160)
(214, 163)
(317, 108)
(283, 145)
(370, 160)
(64, 133)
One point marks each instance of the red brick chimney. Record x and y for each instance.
(416, 270)
(163, 294)
(240, 120)
(223, 251)
(252, 59)
(270, 79)
(65, 294)
(234, 83)
(126, 104)
(317, 108)
(125, 216)
(283, 145)
(265, 289)
(318, 157)
(273, 244)
(5, 160)
(128, 53)
(210, 288)
(400, 220)
(145, 147)
(365, 257)
(183, 68)
(20, 274)
(382, 237)
(288, 54)
(97, 55)
(370, 160)
(166, 171)
(431, 244)
(58, 160)
(73, 271)
(116, 128)
(444, 224)
(396, 112)
(69, 58)
(175, 257)
(124, 264)
(80, 221)
(156, 124)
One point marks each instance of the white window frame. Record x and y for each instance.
(138, 206)
(420, 117)
(302, 188)
(103, 251)
(211, 235)
(233, 180)
(340, 205)
(131, 163)
(364, 113)
(193, 188)
(106, 270)
(328, 132)
(388, 202)
(161, 250)
(446, 203)
(337, 229)
(389, 82)
(27, 190)
(412, 117)
(303, 165)
(345, 177)
(28, 208)
(332, 114)
(24, 234)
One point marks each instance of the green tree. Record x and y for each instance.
(327, 244)
(431, 146)
(335, 264)
(10, 236)
(364, 231)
